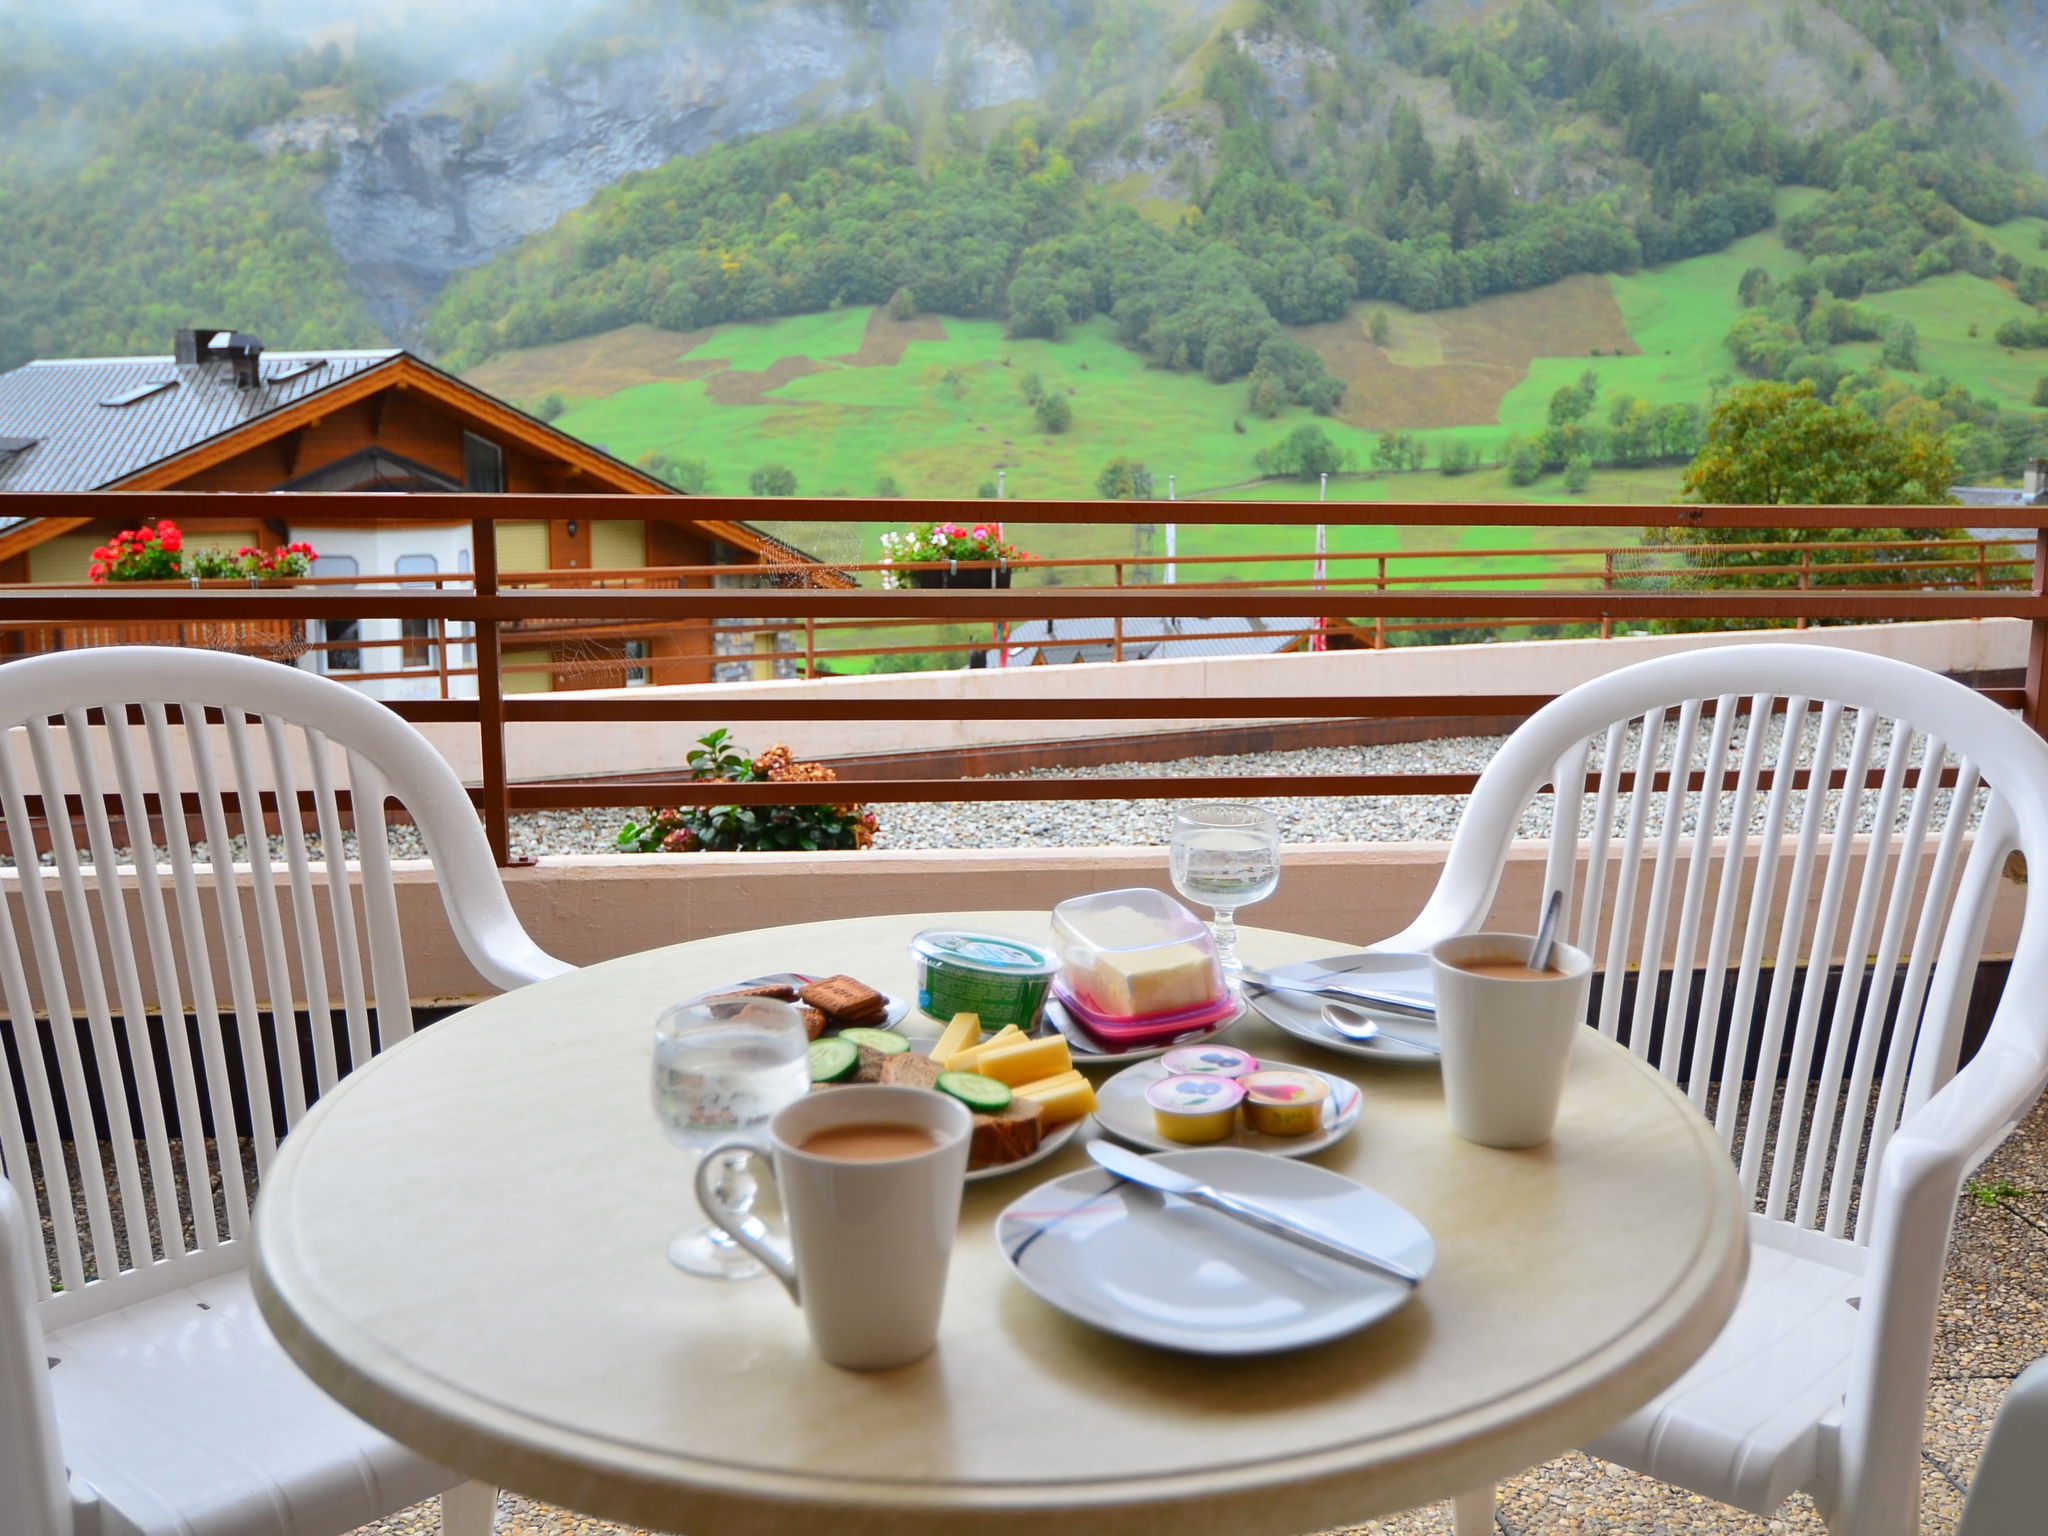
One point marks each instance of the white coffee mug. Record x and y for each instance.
(871, 1238)
(1507, 1039)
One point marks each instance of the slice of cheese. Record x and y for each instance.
(1134, 983)
(963, 1032)
(1028, 1062)
(1067, 1099)
(969, 1060)
(1046, 1085)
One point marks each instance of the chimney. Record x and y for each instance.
(190, 345)
(2037, 480)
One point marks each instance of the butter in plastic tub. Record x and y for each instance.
(1209, 1061)
(1282, 1101)
(1195, 1109)
(1001, 979)
(1137, 968)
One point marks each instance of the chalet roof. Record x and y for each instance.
(96, 420)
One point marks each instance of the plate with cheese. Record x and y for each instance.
(1027, 1097)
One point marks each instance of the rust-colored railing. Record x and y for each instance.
(1962, 582)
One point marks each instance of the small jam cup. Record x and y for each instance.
(1194, 1109)
(1208, 1061)
(1282, 1102)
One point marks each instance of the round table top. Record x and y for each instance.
(465, 1244)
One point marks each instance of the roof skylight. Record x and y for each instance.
(140, 391)
(298, 371)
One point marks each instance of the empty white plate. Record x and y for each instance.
(1121, 1110)
(1301, 1014)
(1154, 1268)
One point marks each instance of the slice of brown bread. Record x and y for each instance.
(1007, 1136)
(907, 1069)
(871, 1063)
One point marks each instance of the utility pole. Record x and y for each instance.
(1172, 537)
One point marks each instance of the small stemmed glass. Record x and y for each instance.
(1226, 856)
(722, 1068)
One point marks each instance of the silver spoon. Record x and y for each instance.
(1546, 933)
(1356, 1024)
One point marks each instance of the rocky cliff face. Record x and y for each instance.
(428, 191)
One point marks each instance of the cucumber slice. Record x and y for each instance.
(833, 1060)
(887, 1041)
(983, 1095)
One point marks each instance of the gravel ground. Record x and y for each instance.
(1993, 1321)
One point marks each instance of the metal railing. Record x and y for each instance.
(491, 607)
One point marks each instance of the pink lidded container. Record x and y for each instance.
(1209, 1061)
(1137, 968)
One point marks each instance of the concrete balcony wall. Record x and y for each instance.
(595, 908)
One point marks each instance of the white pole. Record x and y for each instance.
(1172, 534)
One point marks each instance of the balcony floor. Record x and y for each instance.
(1994, 1321)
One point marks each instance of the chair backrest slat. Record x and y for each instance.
(1601, 835)
(231, 937)
(340, 901)
(27, 1049)
(277, 973)
(1622, 923)
(1650, 964)
(392, 996)
(1714, 969)
(198, 972)
(327, 1069)
(1692, 904)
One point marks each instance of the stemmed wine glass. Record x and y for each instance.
(722, 1068)
(1226, 856)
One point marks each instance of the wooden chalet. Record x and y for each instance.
(222, 414)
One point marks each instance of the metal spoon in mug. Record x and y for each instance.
(1546, 933)
(1357, 1024)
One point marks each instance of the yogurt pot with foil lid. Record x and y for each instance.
(1195, 1109)
(1284, 1101)
(1001, 979)
(1208, 1061)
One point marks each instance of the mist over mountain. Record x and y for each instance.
(326, 170)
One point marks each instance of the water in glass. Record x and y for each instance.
(1225, 856)
(722, 1068)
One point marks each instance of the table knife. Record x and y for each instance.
(1153, 1175)
(1340, 984)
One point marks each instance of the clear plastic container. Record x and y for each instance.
(1137, 967)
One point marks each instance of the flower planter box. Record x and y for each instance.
(998, 576)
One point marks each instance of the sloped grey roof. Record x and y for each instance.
(1060, 641)
(83, 445)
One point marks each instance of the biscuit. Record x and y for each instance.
(781, 992)
(845, 1000)
(814, 1021)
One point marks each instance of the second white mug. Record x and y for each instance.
(872, 1237)
(1507, 1037)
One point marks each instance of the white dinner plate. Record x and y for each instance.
(1157, 1269)
(895, 1011)
(1088, 1051)
(1301, 1014)
(1121, 1110)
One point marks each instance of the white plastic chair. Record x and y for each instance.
(1819, 1380)
(2009, 1495)
(143, 1368)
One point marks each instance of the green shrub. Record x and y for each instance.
(749, 828)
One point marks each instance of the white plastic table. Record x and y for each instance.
(464, 1243)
